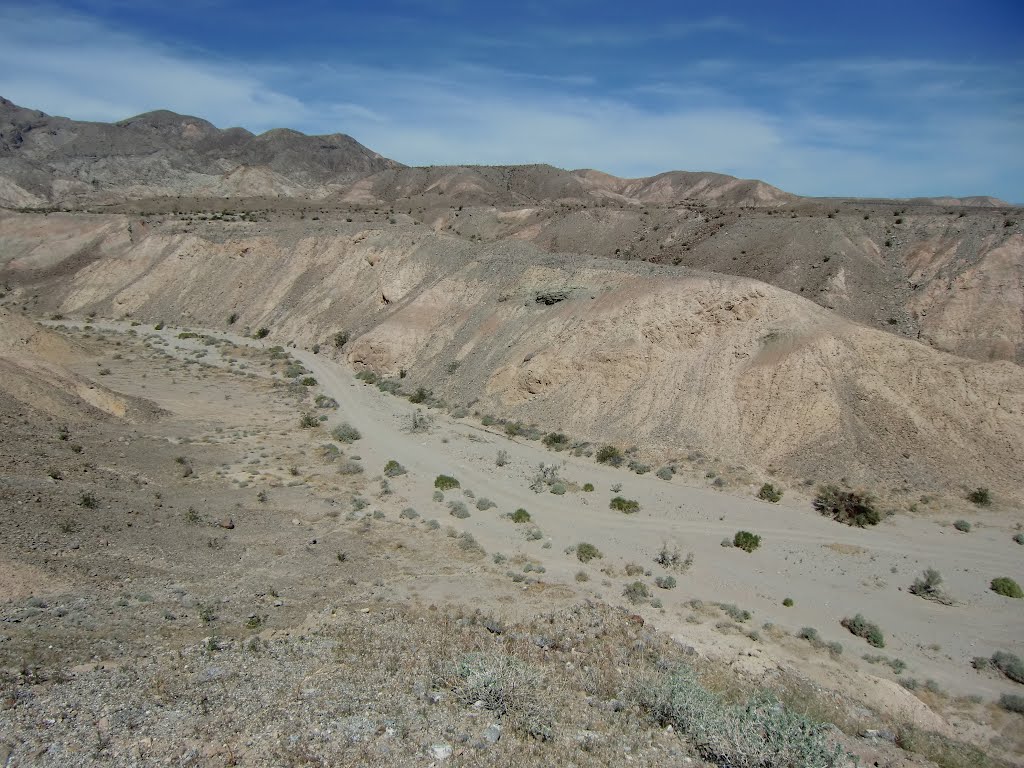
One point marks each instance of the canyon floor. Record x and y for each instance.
(203, 573)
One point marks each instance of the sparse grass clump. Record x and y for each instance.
(746, 541)
(346, 433)
(770, 493)
(506, 686)
(88, 501)
(586, 552)
(861, 627)
(446, 483)
(1007, 587)
(850, 507)
(626, 506)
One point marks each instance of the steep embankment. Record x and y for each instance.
(665, 358)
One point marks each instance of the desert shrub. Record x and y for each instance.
(634, 569)
(627, 506)
(520, 516)
(1012, 702)
(556, 441)
(589, 488)
(346, 433)
(1019, 538)
(502, 458)
(770, 493)
(558, 488)
(639, 468)
(1007, 587)
(507, 687)
(421, 395)
(665, 473)
(159, 326)
(636, 592)
(484, 503)
(458, 509)
(1009, 664)
(861, 627)
(409, 514)
(393, 469)
(582, 576)
(788, 602)
(446, 483)
(963, 526)
(586, 552)
(746, 541)
(758, 734)
(850, 507)
(232, 318)
(261, 333)
(928, 586)
(341, 339)
(980, 496)
(88, 501)
(734, 612)
(350, 467)
(897, 665)
(308, 381)
(308, 421)
(671, 558)
(665, 582)
(810, 634)
(835, 648)
(609, 454)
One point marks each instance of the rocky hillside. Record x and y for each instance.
(673, 360)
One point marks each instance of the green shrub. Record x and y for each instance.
(666, 582)
(421, 395)
(1006, 587)
(308, 381)
(980, 496)
(628, 506)
(346, 433)
(341, 339)
(586, 552)
(788, 602)
(666, 473)
(770, 493)
(734, 612)
(746, 541)
(446, 483)
(261, 333)
(308, 421)
(589, 488)
(409, 513)
(520, 516)
(159, 326)
(558, 488)
(850, 507)
(393, 469)
(636, 592)
(861, 627)
(810, 634)
(1019, 538)
(609, 454)
(963, 526)
(232, 318)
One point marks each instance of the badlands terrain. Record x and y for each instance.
(235, 371)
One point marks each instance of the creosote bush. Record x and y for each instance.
(520, 516)
(393, 469)
(627, 506)
(609, 454)
(1007, 587)
(980, 496)
(861, 627)
(746, 541)
(636, 592)
(261, 333)
(770, 493)
(446, 483)
(850, 507)
(586, 552)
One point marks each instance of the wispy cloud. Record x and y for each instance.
(869, 126)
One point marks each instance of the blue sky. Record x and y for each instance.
(866, 98)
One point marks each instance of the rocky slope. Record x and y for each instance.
(670, 359)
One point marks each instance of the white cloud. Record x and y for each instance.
(849, 127)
